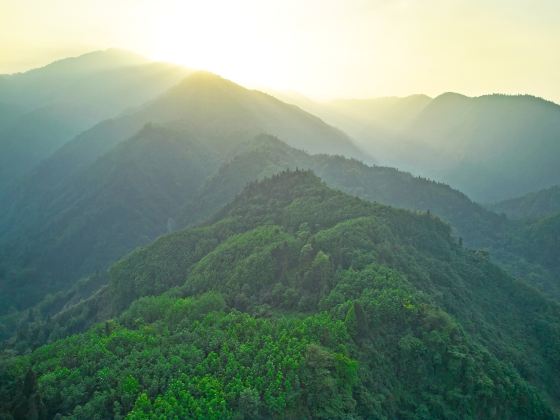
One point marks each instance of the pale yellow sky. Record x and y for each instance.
(321, 48)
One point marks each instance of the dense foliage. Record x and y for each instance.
(297, 301)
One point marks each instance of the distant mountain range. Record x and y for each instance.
(491, 147)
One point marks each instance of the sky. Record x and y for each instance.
(319, 48)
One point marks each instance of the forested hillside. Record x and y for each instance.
(267, 155)
(163, 179)
(296, 300)
(280, 210)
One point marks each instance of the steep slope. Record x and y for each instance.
(538, 241)
(57, 102)
(531, 206)
(91, 246)
(300, 301)
(124, 199)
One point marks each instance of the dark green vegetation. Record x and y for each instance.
(44, 108)
(539, 242)
(298, 301)
(492, 147)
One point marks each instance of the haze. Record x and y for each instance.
(320, 48)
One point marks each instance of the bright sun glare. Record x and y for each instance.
(227, 42)
(321, 48)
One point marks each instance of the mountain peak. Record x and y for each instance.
(207, 80)
(285, 183)
(274, 193)
(448, 97)
(204, 91)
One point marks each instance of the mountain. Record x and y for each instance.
(383, 113)
(358, 116)
(223, 113)
(536, 232)
(478, 228)
(298, 301)
(542, 242)
(531, 206)
(492, 147)
(537, 241)
(41, 86)
(372, 123)
(47, 107)
(86, 201)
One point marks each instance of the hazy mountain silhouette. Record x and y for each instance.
(41, 86)
(46, 107)
(40, 210)
(491, 147)
(124, 199)
(219, 112)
